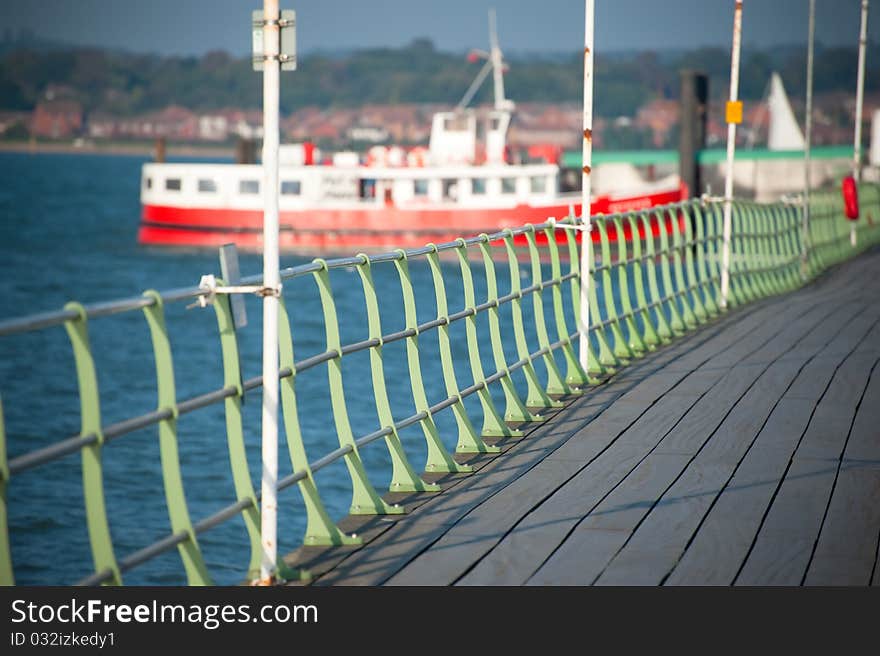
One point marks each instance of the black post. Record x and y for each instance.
(245, 151)
(692, 139)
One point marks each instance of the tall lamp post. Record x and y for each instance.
(586, 163)
(808, 135)
(733, 117)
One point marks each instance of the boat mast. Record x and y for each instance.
(497, 63)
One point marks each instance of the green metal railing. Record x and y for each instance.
(655, 276)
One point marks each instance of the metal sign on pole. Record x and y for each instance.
(808, 132)
(734, 117)
(860, 99)
(271, 59)
(586, 163)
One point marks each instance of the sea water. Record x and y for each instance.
(68, 231)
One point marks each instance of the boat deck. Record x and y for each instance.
(747, 453)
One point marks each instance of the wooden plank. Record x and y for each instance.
(811, 383)
(839, 570)
(372, 566)
(864, 440)
(706, 415)
(533, 539)
(848, 541)
(484, 526)
(785, 542)
(666, 531)
(595, 540)
(822, 321)
(828, 430)
(722, 542)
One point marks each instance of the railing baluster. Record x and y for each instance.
(664, 331)
(320, 529)
(635, 343)
(670, 292)
(607, 356)
(175, 499)
(621, 350)
(365, 500)
(555, 382)
(673, 219)
(468, 440)
(536, 396)
(241, 476)
(649, 338)
(688, 218)
(493, 423)
(574, 374)
(515, 409)
(594, 366)
(438, 459)
(92, 468)
(703, 233)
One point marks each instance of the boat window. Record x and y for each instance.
(478, 186)
(291, 187)
(420, 187)
(368, 188)
(148, 183)
(450, 189)
(249, 186)
(508, 185)
(538, 184)
(494, 123)
(172, 184)
(207, 185)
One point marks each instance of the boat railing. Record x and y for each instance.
(655, 276)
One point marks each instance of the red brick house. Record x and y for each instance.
(57, 119)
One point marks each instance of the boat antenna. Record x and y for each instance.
(497, 62)
(494, 63)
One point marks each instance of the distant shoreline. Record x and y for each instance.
(148, 150)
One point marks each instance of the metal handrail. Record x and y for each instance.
(672, 252)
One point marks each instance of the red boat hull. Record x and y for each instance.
(362, 229)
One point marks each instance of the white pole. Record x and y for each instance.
(808, 129)
(271, 281)
(860, 94)
(587, 159)
(860, 97)
(731, 151)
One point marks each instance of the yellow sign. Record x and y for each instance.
(734, 111)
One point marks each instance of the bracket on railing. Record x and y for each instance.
(209, 284)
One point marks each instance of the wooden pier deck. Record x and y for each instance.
(747, 453)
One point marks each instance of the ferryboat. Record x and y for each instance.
(463, 183)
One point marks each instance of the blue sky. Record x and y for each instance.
(197, 26)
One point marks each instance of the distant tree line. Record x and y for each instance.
(124, 83)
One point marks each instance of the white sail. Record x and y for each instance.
(784, 132)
